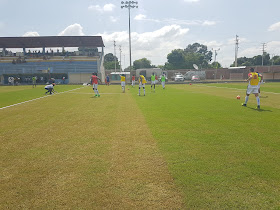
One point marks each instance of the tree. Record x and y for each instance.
(215, 65)
(176, 59)
(199, 49)
(275, 60)
(185, 58)
(142, 63)
(109, 61)
(254, 61)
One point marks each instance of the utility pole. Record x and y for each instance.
(120, 58)
(263, 51)
(236, 49)
(115, 56)
(272, 61)
(129, 5)
(123, 61)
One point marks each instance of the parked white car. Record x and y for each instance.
(179, 78)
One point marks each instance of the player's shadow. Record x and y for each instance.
(263, 96)
(260, 110)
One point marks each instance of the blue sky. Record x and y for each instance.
(158, 26)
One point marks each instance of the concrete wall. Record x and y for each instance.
(79, 78)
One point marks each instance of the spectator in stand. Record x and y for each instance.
(34, 79)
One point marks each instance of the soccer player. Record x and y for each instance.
(123, 82)
(49, 88)
(34, 81)
(163, 81)
(108, 80)
(133, 81)
(153, 81)
(253, 87)
(94, 82)
(142, 82)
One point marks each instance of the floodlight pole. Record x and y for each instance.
(129, 5)
(215, 53)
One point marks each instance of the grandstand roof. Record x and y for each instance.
(51, 41)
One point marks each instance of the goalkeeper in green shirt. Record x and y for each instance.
(153, 81)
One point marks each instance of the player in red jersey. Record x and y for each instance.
(94, 82)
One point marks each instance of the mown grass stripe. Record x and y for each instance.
(5, 107)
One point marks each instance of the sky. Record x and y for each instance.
(157, 26)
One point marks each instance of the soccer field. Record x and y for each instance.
(185, 147)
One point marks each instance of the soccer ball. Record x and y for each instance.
(238, 97)
(190, 83)
(127, 88)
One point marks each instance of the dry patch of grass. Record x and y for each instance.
(76, 151)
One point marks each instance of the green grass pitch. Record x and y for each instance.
(184, 147)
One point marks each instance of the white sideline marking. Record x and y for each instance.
(235, 89)
(38, 98)
(93, 93)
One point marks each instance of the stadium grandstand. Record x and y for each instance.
(67, 59)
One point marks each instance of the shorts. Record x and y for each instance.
(252, 89)
(95, 86)
(153, 82)
(122, 84)
(141, 85)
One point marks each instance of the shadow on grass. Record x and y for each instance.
(259, 110)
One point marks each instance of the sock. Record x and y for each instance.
(246, 99)
(97, 92)
(258, 100)
(144, 91)
(139, 91)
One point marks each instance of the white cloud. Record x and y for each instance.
(191, 1)
(105, 8)
(140, 17)
(109, 7)
(153, 45)
(72, 30)
(273, 47)
(208, 23)
(274, 27)
(171, 21)
(95, 8)
(31, 33)
(113, 19)
(240, 40)
(250, 52)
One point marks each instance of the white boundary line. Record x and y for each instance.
(5, 107)
(235, 89)
(93, 93)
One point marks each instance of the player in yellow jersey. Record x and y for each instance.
(123, 82)
(253, 87)
(142, 82)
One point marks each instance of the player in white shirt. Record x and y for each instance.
(49, 88)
